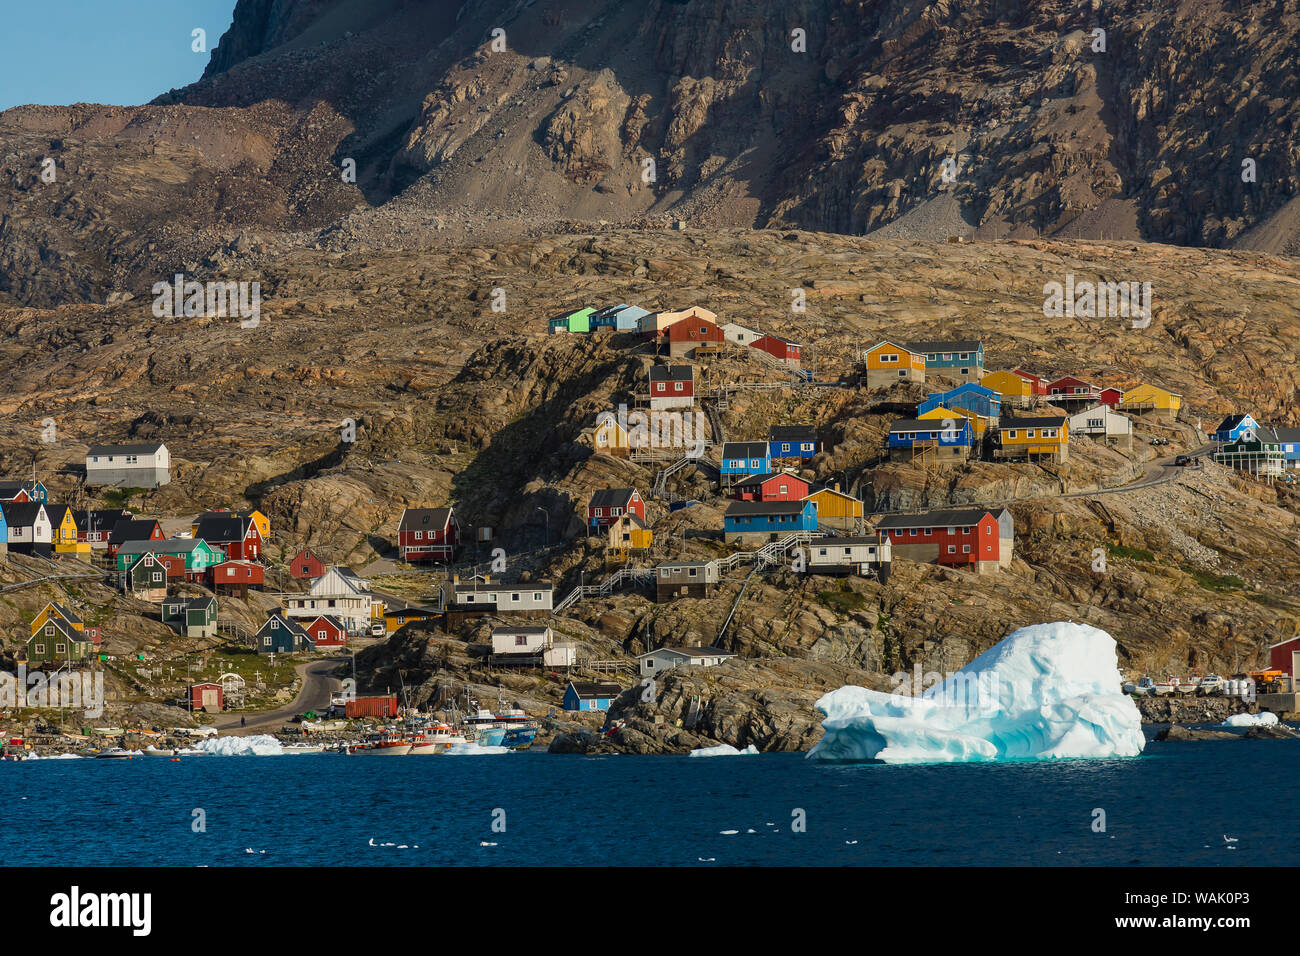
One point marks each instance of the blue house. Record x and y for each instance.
(971, 396)
(1231, 428)
(279, 635)
(586, 695)
(620, 318)
(770, 520)
(34, 487)
(962, 359)
(947, 439)
(1290, 440)
(791, 441)
(742, 458)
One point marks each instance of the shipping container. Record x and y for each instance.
(372, 707)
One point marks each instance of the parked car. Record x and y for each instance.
(1183, 460)
(1160, 441)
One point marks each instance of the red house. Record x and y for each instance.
(610, 504)
(427, 534)
(686, 336)
(971, 538)
(1110, 396)
(788, 352)
(236, 577)
(236, 534)
(327, 631)
(1071, 389)
(207, 696)
(671, 386)
(306, 565)
(133, 529)
(774, 486)
(1037, 384)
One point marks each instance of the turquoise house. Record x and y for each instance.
(767, 519)
(744, 458)
(588, 695)
(961, 359)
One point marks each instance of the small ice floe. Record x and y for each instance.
(751, 831)
(1264, 719)
(707, 859)
(724, 750)
(850, 842)
(249, 849)
(728, 832)
(372, 842)
(485, 843)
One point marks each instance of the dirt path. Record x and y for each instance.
(317, 688)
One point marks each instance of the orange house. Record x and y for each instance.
(888, 363)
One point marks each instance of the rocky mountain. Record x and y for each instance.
(501, 117)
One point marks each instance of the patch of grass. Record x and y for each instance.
(1269, 600)
(1216, 582)
(1133, 554)
(845, 602)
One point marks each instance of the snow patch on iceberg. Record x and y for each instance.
(723, 750)
(1049, 690)
(1263, 719)
(259, 745)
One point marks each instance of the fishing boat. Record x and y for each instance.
(489, 731)
(115, 753)
(436, 739)
(155, 752)
(386, 743)
(291, 749)
(520, 731)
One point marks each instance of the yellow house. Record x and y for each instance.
(835, 509)
(888, 363)
(629, 533)
(609, 437)
(1151, 399)
(978, 423)
(1034, 438)
(63, 529)
(63, 613)
(1013, 389)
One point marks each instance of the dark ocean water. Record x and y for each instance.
(1172, 806)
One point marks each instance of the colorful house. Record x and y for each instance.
(327, 631)
(340, 592)
(864, 555)
(754, 521)
(1151, 400)
(671, 386)
(931, 440)
(1110, 396)
(971, 397)
(1072, 393)
(979, 424)
(133, 529)
(31, 489)
(1034, 439)
(775, 486)
(792, 441)
(1037, 383)
(887, 363)
(237, 535)
(427, 534)
(692, 333)
(58, 643)
(587, 695)
(609, 504)
(56, 611)
(1102, 423)
(666, 658)
(280, 635)
(628, 533)
(263, 523)
(237, 578)
(63, 531)
(780, 348)
(1256, 450)
(959, 359)
(741, 458)
(306, 564)
(28, 528)
(835, 509)
(741, 335)
(207, 696)
(658, 323)
(973, 538)
(1233, 427)
(190, 617)
(579, 321)
(1013, 389)
(609, 436)
(148, 578)
(620, 318)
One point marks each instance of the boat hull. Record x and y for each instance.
(388, 750)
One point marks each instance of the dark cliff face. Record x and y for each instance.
(896, 119)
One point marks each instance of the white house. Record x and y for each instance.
(739, 334)
(1100, 422)
(128, 466)
(858, 554)
(340, 593)
(666, 658)
(498, 598)
(529, 643)
(30, 528)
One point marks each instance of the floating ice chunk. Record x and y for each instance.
(261, 745)
(724, 750)
(473, 749)
(1263, 719)
(1049, 690)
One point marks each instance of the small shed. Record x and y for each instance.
(207, 697)
(585, 695)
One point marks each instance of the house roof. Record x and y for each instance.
(418, 519)
(191, 603)
(170, 546)
(632, 517)
(953, 345)
(21, 512)
(1032, 422)
(102, 519)
(222, 528)
(925, 424)
(947, 517)
(792, 433)
(1287, 434)
(148, 448)
(672, 373)
(478, 587)
(329, 619)
(533, 630)
(705, 651)
(611, 497)
(589, 689)
(756, 480)
(744, 449)
(132, 529)
(1231, 422)
(63, 627)
(64, 612)
(286, 622)
(742, 508)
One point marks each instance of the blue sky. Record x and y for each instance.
(123, 52)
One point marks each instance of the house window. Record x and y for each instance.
(677, 386)
(156, 576)
(902, 373)
(928, 532)
(1049, 433)
(965, 549)
(38, 649)
(49, 630)
(521, 640)
(266, 641)
(888, 358)
(952, 549)
(912, 532)
(419, 535)
(692, 573)
(514, 597)
(230, 572)
(320, 635)
(1011, 433)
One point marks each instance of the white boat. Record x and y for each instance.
(436, 739)
(1163, 687)
(387, 743)
(115, 753)
(155, 752)
(291, 749)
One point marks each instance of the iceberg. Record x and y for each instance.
(471, 749)
(723, 750)
(260, 745)
(1044, 691)
(1263, 719)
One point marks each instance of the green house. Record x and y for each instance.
(197, 554)
(57, 643)
(579, 321)
(191, 617)
(1257, 450)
